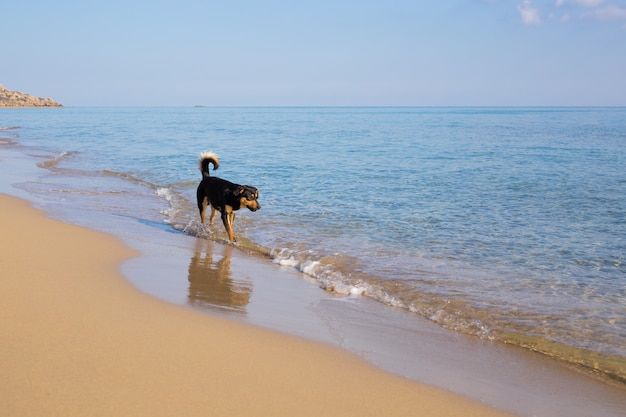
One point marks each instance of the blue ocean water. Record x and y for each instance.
(505, 223)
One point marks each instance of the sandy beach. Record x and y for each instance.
(78, 339)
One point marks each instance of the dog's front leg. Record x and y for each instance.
(227, 219)
(231, 219)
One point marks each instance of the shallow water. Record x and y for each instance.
(505, 223)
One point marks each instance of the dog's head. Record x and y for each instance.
(248, 197)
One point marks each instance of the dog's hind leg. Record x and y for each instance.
(203, 203)
(213, 213)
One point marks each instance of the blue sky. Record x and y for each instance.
(279, 52)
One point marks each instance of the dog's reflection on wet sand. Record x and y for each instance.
(210, 279)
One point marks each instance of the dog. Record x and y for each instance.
(223, 196)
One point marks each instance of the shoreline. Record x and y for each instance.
(80, 340)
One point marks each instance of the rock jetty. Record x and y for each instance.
(10, 98)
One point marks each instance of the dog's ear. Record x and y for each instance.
(238, 191)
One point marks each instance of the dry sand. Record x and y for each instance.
(78, 340)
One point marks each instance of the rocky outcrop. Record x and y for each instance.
(10, 98)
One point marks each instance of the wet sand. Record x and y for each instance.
(78, 339)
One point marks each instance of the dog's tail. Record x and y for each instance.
(205, 159)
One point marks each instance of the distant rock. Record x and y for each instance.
(10, 98)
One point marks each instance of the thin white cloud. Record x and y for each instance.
(589, 3)
(529, 14)
(596, 10)
(610, 13)
(584, 3)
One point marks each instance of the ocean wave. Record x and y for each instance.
(166, 193)
(53, 163)
(321, 269)
(85, 192)
(452, 315)
(129, 177)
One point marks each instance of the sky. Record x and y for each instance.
(316, 53)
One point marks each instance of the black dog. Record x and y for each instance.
(222, 195)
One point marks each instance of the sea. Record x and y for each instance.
(504, 223)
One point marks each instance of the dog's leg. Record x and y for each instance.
(213, 213)
(227, 218)
(205, 203)
(231, 218)
(231, 221)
